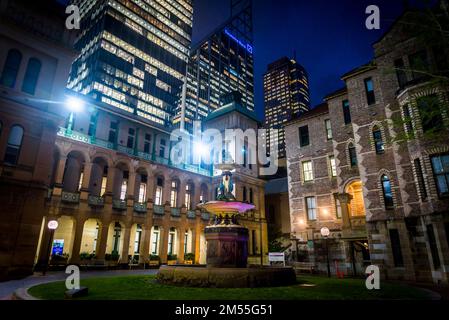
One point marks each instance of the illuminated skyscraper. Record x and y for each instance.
(221, 63)
(286, 96)
(133, 56)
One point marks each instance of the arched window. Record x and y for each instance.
(174, 194)
(31, 76)
(378, 142)
(159, 191)
(11, 68)
(251, 196)
(188, 196)
(352, 155)
(14, 144)
(387, 192)
(244, 194)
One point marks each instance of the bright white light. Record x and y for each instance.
(325, 231)
(75, 104)
(201, 149)
(52, 224)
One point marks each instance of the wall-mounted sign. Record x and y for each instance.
(248, 47)
(276, 257)
(58, 247)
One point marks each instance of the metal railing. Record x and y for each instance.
(158, 209)
(119, 204)
(70, 197)
(95, 201)
(191, 214)
(140, 207)
(175, 212)
(78, 136)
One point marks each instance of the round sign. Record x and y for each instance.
(52, 224)
(325, 232)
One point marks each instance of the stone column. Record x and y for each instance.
(196, 195)
(86, 180)
(60, 172)
(130, 191)
(181, 232)
(166, 192)
(112, 172)
(163, 243)
(103, 239)
(78, 228)
(197, 236)
(344, 199)
(125, 249)
(43, 250)
(261, 203)
(151, 182)
(182, 193)
(145, 246)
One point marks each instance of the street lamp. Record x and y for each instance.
(52, 226)
(75, 105)
(325, 234)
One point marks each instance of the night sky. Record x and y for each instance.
(329, 36)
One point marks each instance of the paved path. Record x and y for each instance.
(7, 288)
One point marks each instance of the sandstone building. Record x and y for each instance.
(35, 58)
(363, 165)
(106, 175)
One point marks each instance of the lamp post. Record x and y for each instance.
(325, 234)
(52, 226)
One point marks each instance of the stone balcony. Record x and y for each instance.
(140, 207)
(70, 197)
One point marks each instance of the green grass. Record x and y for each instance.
(145, 288)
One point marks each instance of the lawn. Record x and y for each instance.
(307, 288)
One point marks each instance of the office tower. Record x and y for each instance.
(133, 56)
(221, 63)
(286, 96)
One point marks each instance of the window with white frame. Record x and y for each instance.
(137, 239)
(311, 208)
(307, 171)
(142, 192)
(155, 240)
(159, 190)
(440, 167)
(174, 194)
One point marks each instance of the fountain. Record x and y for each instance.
(227, 250)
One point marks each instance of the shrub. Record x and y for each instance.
(189, 256)
(154, 257)
(114, 256)
(87, 256)
(172, 257)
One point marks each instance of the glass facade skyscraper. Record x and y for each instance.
(219, 64)
(133, 55)
(286, 96)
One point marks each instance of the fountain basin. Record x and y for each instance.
(202, 276)
(222, 208)
(227, 246)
